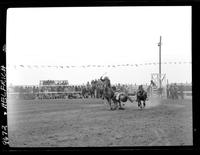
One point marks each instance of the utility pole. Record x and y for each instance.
(159, 44)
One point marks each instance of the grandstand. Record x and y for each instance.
(57, 89)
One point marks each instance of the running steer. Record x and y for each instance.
(121, 97)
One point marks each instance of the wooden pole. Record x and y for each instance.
(160, 63)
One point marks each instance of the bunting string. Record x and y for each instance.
(89, 66)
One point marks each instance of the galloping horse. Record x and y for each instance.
(108, 94)
(141, 96)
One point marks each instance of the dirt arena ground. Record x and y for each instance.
(89, 122)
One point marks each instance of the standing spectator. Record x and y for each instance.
(171, 92)
(175, 91)
(181, 91)
(167, 91)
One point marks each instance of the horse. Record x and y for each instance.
(108, 94)
(141, 96)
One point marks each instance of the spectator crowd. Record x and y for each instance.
(51, 89)
(177, 91)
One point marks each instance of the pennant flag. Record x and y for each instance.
(84, 66)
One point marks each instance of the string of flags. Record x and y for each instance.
(88, 66)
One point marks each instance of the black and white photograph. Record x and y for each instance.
(117, 76)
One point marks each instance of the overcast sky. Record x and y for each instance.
(97, 36)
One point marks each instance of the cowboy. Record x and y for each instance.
(140, 90)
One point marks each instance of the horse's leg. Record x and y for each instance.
(120, 106)
(116, 105)
(109, 101)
